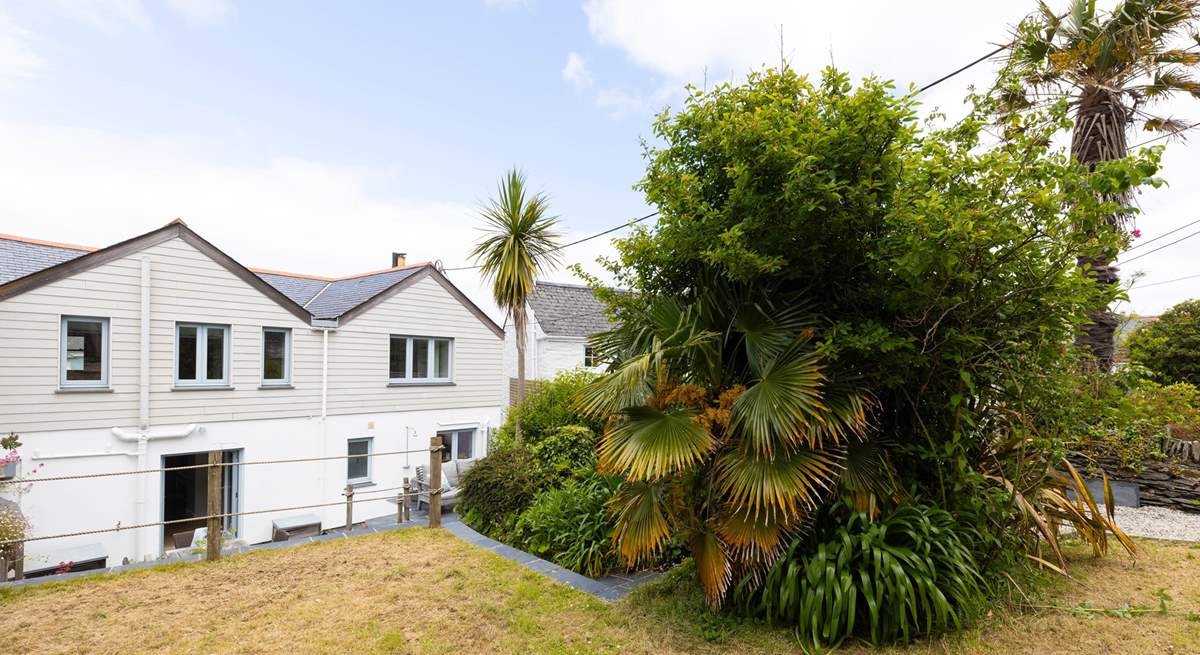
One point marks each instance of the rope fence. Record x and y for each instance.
(111, 474)
(430, 490)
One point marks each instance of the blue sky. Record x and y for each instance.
(319, 137)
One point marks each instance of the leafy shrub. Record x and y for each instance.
(497, 489)
(568, 449)
(571, 525)
(911, 573)
(1170, 346)
(1132, 427)
(547, 408)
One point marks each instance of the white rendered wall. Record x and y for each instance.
(69, 506)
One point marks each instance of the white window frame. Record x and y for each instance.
(102, 383)
(453, 432)
(588, 350)
(202, 355)
(370, 441)
(286, 380)
(430, 362)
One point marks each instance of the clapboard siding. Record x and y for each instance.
(186, 285)
(189, 286)
(358, 356)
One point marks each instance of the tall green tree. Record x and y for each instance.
(520, 242)
(1111, 66)
(1170, 346)
(941, 281)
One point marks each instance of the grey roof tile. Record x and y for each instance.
(20, 258)
(332, 299)
(569, 310)
(299, 289)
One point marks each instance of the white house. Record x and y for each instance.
(147, 354)
(561, 319)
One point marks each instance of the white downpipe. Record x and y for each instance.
(144, 360)
(141, 549)
(324, 372)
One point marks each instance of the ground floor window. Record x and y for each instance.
(358, 465)
(458, 444)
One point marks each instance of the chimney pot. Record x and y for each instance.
(398, 259)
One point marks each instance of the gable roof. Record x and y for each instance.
(568, 310)
(26, 264)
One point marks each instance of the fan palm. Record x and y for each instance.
(726, 424)
(519, 242)
(1111, 67)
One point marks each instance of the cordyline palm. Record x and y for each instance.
(519, 243)
(1111, 67)
(726, 426)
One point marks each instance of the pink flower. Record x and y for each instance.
(1137, 234)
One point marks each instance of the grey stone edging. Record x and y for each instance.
(610, 588)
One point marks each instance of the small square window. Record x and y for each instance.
(589, 357)
(457, 444)
(201, 354)
(277, 356)
(84, 352)
(358, 469)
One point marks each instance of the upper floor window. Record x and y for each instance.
(420, 359)
(83, 352)
(201, 354)
(589, 357)
(277, 356)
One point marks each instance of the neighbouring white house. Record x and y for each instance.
(147, 354)
(561, 319)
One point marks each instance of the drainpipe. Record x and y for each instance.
(144, 360)
(324, 373)
(142, 437)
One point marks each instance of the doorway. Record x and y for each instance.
(185, 495)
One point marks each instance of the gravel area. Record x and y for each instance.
(1158, 523)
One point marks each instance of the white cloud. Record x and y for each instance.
(576, 71)
(110, 16)
(202, 11)
(17, 57)
(96, 188)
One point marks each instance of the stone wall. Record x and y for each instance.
(1169, 482)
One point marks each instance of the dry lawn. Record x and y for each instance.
(423, 591)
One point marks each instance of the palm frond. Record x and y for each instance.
(519, 241)
(641, 524)
(647, 443)
(781, 407)
(712, 565)
(782, 486)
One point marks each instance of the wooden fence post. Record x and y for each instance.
(435, 482)
(3, 570)
(214, 506)
(402, 501)
(349, 507)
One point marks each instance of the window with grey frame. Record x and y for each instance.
(201, 355)
(457, 444)
(83, 356)
(358, 464)
(277, 357)
(415, 360)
